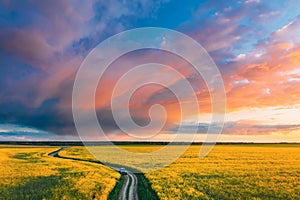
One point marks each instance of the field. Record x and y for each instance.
(29, 173)
(228, 172)
(249, 171)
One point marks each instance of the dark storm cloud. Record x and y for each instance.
(107, 122)
(42, 44)
(46, 117)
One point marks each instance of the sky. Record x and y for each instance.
(254, 43)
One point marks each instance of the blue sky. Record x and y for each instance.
(254, 43)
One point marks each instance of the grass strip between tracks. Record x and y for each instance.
(114, 194)
(144, 188)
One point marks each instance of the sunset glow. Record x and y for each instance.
(255, 45)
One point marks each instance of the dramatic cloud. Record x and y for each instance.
(255, 44)
(40, 55)
(267, 72)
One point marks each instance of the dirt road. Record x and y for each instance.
(130, 183)
(129, 186)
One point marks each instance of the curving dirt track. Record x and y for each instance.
(130, 183)
(131, 188)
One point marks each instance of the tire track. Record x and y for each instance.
(133, 187)
(123, 192)
(130, 175)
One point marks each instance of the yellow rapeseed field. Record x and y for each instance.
(250, 171)
(29, 173)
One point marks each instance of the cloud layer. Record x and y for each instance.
(255, 44)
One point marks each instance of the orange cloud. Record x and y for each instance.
(270, 82)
